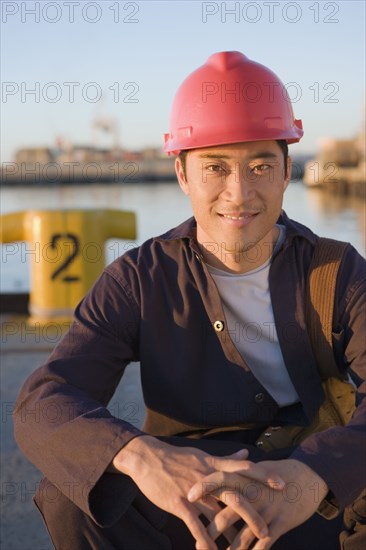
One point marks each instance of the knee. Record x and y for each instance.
(67, 525)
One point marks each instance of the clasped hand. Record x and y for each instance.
(188, 482)
(282, 505)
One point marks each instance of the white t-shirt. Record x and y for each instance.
(248, 309)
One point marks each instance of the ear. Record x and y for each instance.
(180, 176)
(289, 169)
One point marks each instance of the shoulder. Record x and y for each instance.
(154, 251)
(303, 238)
(300, 245)
(294, 258)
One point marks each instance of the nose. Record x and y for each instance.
(239, 186)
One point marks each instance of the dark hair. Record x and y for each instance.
(281, 142)
(284, 148)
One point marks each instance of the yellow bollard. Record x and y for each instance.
(66, 253)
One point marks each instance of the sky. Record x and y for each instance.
(66, 63)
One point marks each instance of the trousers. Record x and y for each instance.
(146, 527)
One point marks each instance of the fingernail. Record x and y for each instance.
(242, 452)
(279, 482)
(190, 496)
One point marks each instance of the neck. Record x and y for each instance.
(242, 261)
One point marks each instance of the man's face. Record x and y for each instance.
(236, 192)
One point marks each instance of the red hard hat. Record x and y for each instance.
(230, 99)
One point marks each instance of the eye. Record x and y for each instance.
(215, 169)
(261, 169)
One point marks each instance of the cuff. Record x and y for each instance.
(110, 499)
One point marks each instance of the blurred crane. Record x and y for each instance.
(103, 125)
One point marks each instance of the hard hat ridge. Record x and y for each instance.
(226, 60)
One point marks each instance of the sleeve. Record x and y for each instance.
(338, 454)
(61, 421)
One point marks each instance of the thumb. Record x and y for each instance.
(258, 472)
(228, 461)
(238, 455)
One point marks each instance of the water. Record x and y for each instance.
(162, 206)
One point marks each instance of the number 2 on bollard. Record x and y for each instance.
(69, 259)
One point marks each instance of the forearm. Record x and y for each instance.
(337, 455)
(338, 458)
(68, 436)
(61, 419)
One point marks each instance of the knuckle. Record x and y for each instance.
(221, 476)
(176, 501)
(222, 524)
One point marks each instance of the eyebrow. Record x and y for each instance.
(259, 154)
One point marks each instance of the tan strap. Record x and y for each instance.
(319, 306)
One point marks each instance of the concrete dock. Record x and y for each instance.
(23, 349)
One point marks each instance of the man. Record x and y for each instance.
(184, 304)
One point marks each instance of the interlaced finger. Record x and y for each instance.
(245, 536)
(190, 515)
(210, 508)
(222, 523)
(278, 527)
(245, 510)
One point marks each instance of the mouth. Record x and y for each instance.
(238, 216)
(238, 219)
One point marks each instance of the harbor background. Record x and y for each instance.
(161, 206)
(104, 73)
